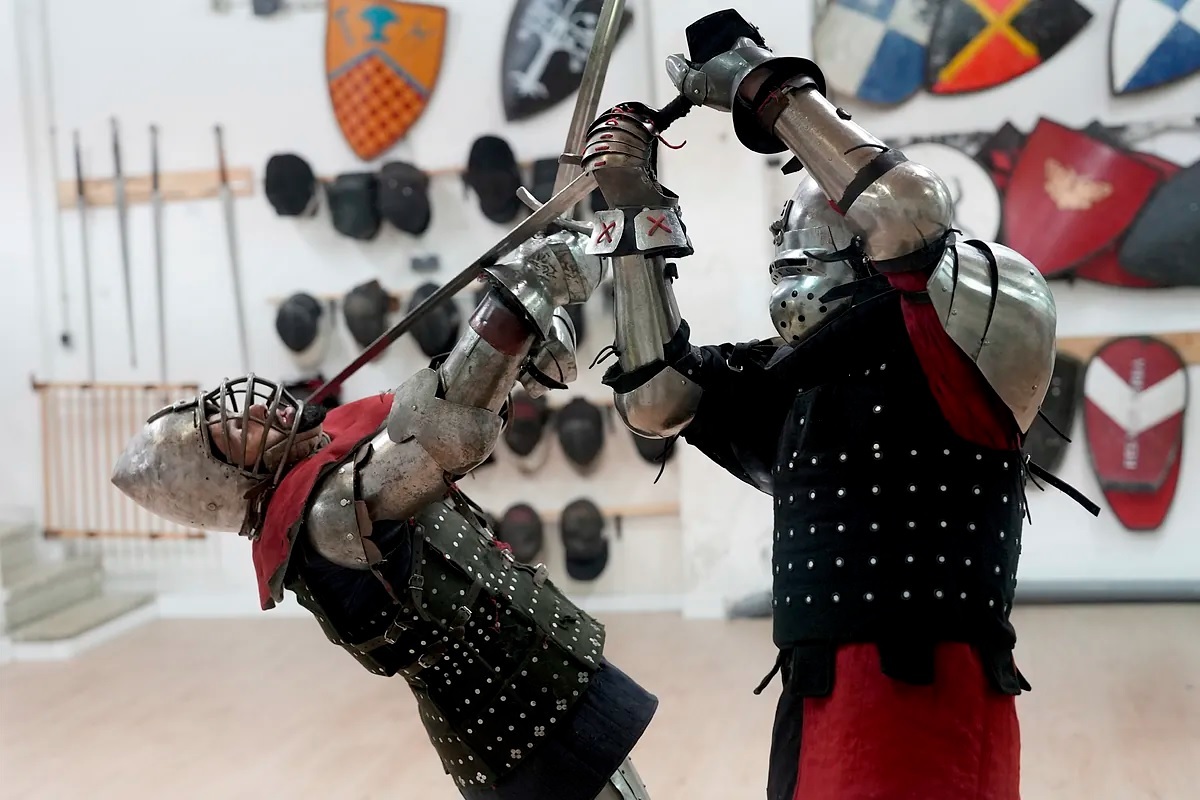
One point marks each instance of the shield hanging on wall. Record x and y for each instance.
(1163, 244)
(1153, 43)
(1043, 444)
(978, 44)
(1106, 266)
(999, 154)
(545, 52)
(874, 50)
(976, 199)
(1136, 393)
(1070, 196)
(382, 60)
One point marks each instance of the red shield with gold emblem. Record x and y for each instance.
(1106, 267)
(1071, 196)
(382, 60)
(1136, 393)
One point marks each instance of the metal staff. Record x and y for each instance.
(123, 222)
(156, 205)
(570, 188)
(231, 236)
(81, 206)
(65, 336)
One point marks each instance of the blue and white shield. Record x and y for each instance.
(1153, 42)
(874, 50)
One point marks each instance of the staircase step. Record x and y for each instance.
(41, 589)
(79, 618)
(18, 549)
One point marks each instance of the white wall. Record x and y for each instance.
(178, 65)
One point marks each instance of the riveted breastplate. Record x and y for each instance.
(495, 654)
(888, 526)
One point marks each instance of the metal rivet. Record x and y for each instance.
(938, 594)
(874, 490)
(874, 526)
(873, 560)
(907, 594)
(909, 559)
(836, 597)
(868, 597)
(839, 561)
(841, 528)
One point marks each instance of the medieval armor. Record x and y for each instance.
(172, 469)
(996, 306)
(815, 252)
(360, 517)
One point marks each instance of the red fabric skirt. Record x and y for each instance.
(875, 738)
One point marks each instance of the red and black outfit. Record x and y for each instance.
(898, 485)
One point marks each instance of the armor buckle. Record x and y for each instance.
(540, 574)
(394, 631)
(427, 660)
(416, 581)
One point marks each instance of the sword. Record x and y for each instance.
(231, 235)
(65, 337)
(571, 186)
(81, 206)
(608, 25)
(156, 205)
(123, 221)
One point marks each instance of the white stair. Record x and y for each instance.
(40, 589)
(80, 618)
(18, 548)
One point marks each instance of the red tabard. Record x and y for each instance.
(875, 738)
(346, 427)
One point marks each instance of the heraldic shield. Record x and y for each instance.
(1136, 396)
(382, 60)
(1070, 196)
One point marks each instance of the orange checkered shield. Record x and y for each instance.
(382, 60)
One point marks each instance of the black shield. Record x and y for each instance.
(545, 52)
(1163, 241)
(1043, 445)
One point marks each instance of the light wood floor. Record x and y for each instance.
(256, 709)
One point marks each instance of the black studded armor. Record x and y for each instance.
(889, 527)
(495, 654)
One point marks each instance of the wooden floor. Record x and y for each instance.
(224, 710)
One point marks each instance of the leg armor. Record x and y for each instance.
(625, 784)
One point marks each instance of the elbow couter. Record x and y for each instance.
(661, 407)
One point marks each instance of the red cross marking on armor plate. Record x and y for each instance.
(659, 222)
(606, 233)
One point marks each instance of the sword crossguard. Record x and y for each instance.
(526, 197)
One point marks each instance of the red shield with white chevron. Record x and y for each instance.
(1136, 392)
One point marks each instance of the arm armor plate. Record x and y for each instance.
(998, 309)
(652, 398)
(427, 442)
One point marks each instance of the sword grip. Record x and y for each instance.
(154, 158)
(79, 190)
(221, 154)
(672, 112)
(116, 144)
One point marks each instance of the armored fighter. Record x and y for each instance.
(357, 513)
(885, 419)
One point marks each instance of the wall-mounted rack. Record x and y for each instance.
(1084, 347)
(173, 186)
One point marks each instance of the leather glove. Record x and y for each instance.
(621, 153)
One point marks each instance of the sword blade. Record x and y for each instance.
(231, 238)
(536, 222)
(608, 24)
(157, 209)
(123, 225)
(81, 207)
